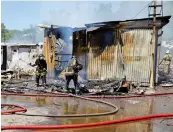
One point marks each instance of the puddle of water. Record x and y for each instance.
(128, 108)
(24, 101)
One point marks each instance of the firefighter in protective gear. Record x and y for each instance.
(71, 73)
(167, 62)
(41, 69)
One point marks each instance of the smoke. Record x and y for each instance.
(64, 48)
(77, 14)
(29, 35)
(166, 45)
(168, 29)
(80, 13)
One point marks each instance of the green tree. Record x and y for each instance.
(29, 35)
(3, 32)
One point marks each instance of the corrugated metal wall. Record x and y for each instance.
(102, 53)
(137, 54)
(106, 62)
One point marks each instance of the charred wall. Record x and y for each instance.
(114, 50)
(120, 49)
(57, 48)
(80, 49)
(117, 53)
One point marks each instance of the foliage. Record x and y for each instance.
(29, 35)
(5, 33)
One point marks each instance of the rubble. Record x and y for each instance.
(95, 87)
(90, 86)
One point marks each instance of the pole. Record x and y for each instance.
(152, 80)
(160, 42)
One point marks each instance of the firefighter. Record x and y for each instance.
(167, 61)
(71, 73)
(41, 70)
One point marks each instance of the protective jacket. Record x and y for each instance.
(41, 64)
(71, 68)
(41, 69)
(167, 59)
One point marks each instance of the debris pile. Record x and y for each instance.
(94, 87)
(86, 86)
(106, 86)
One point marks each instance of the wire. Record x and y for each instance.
(142, 10)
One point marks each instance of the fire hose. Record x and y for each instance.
(97, 96)
(22, 109)
(80, 115)
(129, 119)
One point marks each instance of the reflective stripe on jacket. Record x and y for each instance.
(41, 72)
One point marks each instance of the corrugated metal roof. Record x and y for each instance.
(92, 29)
(99, 24)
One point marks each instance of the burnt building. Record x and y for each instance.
(111, 49)
(119, 48)
(57, 48)
(18, 55)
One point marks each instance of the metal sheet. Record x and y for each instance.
(92, 29)
(136, 54)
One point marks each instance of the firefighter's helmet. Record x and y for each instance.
(167, 52)
(74, 57)
(41, 55)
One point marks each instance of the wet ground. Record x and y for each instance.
(127, 108)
